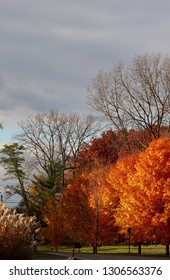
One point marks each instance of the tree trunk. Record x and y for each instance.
(24, 196)
(167, 249)
(96, 229)
(95, 249)
(139, 249)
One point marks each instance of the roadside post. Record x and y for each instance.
(129, 232)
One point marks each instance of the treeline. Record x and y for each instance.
(103, 201)
(90, 184)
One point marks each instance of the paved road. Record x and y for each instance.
(82, 256)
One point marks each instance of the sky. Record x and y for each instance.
(50, 50)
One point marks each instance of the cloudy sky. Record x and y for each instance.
(50, 49)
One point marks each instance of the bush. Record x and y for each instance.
(16, 234)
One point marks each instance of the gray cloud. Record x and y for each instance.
(50, 50)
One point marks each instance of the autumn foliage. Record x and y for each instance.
(144, 187)
(104, 201)
(88, 205)
(114, 187)
(106, 149)
(54, 232)
(100, 151)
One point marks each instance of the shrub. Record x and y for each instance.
(16, 234)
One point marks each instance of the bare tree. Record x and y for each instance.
(135, 97)
(55, 138)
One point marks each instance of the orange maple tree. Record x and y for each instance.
(153, 174)
(89, 205)
(144, 187)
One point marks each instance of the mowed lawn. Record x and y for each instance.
(123, 249)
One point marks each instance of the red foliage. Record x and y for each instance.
(101, 151)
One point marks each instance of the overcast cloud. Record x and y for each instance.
(50, 50)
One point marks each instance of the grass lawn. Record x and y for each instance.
(122, 249)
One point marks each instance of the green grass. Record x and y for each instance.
(122, 249)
